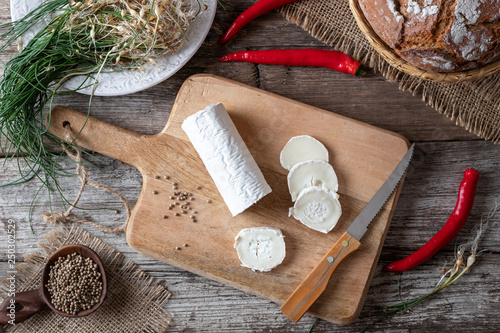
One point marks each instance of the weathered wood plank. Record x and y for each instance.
(427, 199)
(203, 305)
(428, 196)
(365, 99)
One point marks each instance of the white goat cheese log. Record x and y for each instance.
(226, 157)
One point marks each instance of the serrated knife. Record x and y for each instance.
(317, 280)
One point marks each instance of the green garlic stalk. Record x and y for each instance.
(85, 38)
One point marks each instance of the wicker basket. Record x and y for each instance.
(396, 61)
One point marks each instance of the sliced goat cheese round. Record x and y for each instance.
(317, 208)
(260, 248)
(302, 148)
(311, 173)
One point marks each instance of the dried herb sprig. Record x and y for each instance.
(469, 250)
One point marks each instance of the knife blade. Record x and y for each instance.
(316, 281)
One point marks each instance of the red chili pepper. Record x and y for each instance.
(256, 10)
(450, 229)
(302, 57)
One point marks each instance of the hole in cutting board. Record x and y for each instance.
(66, 123)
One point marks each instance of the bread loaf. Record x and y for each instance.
(438, 35)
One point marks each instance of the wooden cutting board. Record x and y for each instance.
(362, 155)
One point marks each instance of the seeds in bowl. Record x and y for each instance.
(74, 284)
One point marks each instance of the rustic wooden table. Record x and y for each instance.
(443, 152)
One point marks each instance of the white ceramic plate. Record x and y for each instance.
(131, 81)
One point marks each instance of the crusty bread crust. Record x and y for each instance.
(438, 35)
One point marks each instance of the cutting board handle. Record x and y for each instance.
(97, 135)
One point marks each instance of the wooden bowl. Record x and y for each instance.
(64, 251)
(35, 300)
(396, 61)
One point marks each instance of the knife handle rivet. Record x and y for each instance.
(330, 259)
(345, 243)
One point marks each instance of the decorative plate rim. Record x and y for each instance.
(132, 81)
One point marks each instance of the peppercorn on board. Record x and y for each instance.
(201, 239)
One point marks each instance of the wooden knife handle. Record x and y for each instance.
(317, 280)
(97, 135)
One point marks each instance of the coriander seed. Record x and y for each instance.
(74, 283)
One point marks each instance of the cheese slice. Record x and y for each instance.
(311, 173)
(302, 148)
(317, 208)
(260, 248)
(226, 157)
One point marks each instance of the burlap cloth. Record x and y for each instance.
(134, 301)
(473, 105)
